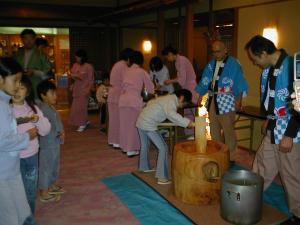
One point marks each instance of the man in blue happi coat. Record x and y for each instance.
(224, 81)
(280, 149)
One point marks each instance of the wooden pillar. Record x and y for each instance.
(210, 26)
(160, 31)
(119, 35)
(189, 32)
(120, 39)
(180, 31)
(211, 16)
(235, 32)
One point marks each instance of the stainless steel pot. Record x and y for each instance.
(241, 197)
(146, 95)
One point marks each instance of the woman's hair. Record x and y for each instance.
(25, 81)
(258, 44)
(125, 53)
(82, 55)
(9, 67)
(136, 58)
(185, 93)
(44, 87)
(156, 64)
(169, 49)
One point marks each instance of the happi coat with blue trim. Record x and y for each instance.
(229, 84)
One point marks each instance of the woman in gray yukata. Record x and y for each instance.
(14, 207)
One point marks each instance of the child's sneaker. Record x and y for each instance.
(81, 128)
(163, 181)
(49, 198)
(56, 190)
(147, 171)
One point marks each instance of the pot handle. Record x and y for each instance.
(238, 195)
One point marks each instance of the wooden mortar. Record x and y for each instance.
(197, 170)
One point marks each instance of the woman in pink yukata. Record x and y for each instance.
(131, 103)
(83, 76)
(116, 80)
(186, 78)
(186, 75)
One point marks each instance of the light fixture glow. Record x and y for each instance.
(271, 34)
(147, 46)
(224, 25)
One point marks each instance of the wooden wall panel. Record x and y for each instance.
(100, 44)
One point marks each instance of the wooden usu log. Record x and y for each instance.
(196, 174)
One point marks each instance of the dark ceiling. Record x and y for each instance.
(78, 11)
(50, 12)
(91, 3)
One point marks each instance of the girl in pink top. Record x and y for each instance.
(116, 80)
(28, 116)
(131, 103)
(83, 75)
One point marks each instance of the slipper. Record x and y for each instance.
(148, 171)
(50, 198)
(163, 181)
(57, 191)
